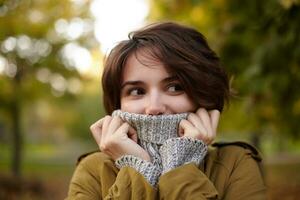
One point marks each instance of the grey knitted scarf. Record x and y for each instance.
(153, 130)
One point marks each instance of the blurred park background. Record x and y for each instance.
(51, 55)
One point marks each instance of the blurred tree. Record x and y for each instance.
(42, 45)
(270, 46)
(259, 43)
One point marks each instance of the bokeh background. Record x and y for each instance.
(51, 60)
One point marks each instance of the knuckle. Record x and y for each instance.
(216, 111)
(201, 111)
(182, 121)
(117, 118)
(192, 116)
(92, 127)
(114, 118)
(103, 147)
(107, 117)
(196, 132)
(201, 135)
(125, 125)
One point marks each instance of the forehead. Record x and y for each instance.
(143, 65)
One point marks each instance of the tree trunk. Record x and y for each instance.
(17, 139)
(16, 128)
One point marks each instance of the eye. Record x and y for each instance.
(136, 91)
(175, 87)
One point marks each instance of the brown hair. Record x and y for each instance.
(183, 51)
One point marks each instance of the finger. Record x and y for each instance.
(110, 125)
(96, 129)
(122, 130)
(106, 122)
(115, 123)
(206, 122)
(132, 134)
(197, 122)
(189, 130)
(97, 125)
(180, 130)
(110, 134)
(214, 117)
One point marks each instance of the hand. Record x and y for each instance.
(201, 125)
(117, 138)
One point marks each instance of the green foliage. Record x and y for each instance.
(39, 83)
(259, 43)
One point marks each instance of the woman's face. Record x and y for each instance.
(151, 89)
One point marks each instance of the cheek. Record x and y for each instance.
(182, 104)
(131, 106)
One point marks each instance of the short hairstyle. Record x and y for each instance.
(183, 51)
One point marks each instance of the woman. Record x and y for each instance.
(164, 89)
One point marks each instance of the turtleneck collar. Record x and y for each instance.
(153, 128)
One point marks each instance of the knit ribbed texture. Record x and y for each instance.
(153, 130)
(179, 151)
(147, 169)
(158, 135)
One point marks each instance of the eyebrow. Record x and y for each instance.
(138, 82)
(131, 83)
(170, 79)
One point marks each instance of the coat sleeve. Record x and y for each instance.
(237, 171)
(186, 182)
(131, 185)
(97, 178)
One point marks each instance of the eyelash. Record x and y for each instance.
(135, 88)
(179, 87)
(141, 91)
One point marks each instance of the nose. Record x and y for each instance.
(155, 104)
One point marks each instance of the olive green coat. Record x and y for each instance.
(230, 171)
